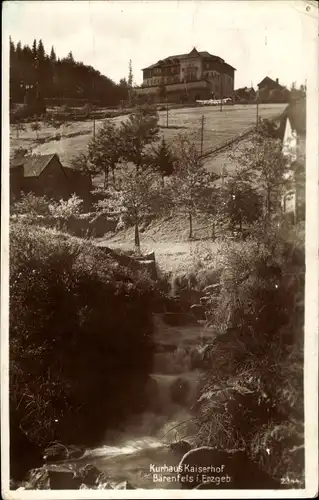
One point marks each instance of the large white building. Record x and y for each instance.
(188, 77)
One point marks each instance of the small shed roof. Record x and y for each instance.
(34, 165)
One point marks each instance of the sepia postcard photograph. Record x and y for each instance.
(159, 249)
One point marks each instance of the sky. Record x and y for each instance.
(259, 38)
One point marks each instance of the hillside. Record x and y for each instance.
(168, 237)
(219, 127)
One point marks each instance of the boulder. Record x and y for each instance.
(55, 452)
(149, 256)
(181, 446)
(58, 451)
(124, 485)
(54, 479)
(63, 480)
(24, 455)
(235, 470)
(89, 475)
(75, 452)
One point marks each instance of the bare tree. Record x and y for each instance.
(133, 199)
(190, 181)
(19, 127)
(36, 126)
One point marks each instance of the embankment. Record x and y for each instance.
(81, 339)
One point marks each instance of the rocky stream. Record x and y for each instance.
(130, 457)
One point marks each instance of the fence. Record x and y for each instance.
(233, 140)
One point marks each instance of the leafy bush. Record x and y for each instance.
(32, 205)
(80, 327)
(66, 208)
(253, 398)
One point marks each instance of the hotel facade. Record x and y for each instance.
(187, 77)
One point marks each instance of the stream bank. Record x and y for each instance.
(159, 436)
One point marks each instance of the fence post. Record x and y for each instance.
(202, 136)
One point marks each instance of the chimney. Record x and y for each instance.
(277, 80)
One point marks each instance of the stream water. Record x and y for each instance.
(144, 443)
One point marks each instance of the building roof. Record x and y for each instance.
(297, 115)
(175, 59)
(16, 162)
(296, 112)
(34, 165)
(268, 80)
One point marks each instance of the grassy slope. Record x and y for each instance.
(218, 128)
(168, 237)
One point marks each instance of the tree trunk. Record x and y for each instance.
(163, 180)
(213, 231)
(190, 225)
(106, 177)
(113, 175)
(268, 200)
(137, 237)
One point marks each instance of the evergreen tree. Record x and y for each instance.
(130, 75)
(162, 159)
(34, 49)
(123, 83)
(70, 57)
(19, 49)
(40, 52)
(33, 73)
(12, 48)
(104, 151)
(52, 55)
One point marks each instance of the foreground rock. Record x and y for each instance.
(24, 455)
(225, 470)
(67, 478)
(58, 451)
(124, 485)
(181, 446)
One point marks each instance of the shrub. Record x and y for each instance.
(253, 398)
(32, 205)
(66, 208)
(80, 337)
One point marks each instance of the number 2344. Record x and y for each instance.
(288, 480)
